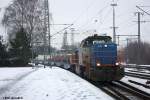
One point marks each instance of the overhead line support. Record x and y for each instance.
(143, 10)
(114, 26)
(139, 25)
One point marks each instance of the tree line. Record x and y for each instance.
(138, 53)
(3, 53)
(135, 53)
(23, 20)
(18, 52)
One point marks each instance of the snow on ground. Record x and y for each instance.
(143, 81)
(46, 84)
(135, 65)
(8, 75)
(145, 65)
(138, 71)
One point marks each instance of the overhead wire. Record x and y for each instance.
(106, 19)
(61, 30)
(89, 6)
(101, 10)
(73, 23)
(120, 15)
(124, 21)
(87, 23)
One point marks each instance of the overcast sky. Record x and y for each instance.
(89, 15)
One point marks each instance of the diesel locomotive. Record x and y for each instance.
(96, 59)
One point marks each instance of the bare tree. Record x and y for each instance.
(27, 14)
(138, 53)
(121, 54)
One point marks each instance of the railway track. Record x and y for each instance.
(114, 93)
(137, 83)
(137, 67)
(122, 91)
(139, 72)
(138, 75)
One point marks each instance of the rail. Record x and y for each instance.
(127, 92)
(143, 76)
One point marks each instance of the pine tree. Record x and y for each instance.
(20, 48)
(3, 53)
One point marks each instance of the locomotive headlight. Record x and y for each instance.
(105, 45)
(98, 64)
(117, 63)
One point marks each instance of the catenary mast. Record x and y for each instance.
(47, 36)
(114, 24)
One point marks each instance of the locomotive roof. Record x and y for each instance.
(96, 37)
(90, 39)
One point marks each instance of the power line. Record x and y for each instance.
(118, 36)
(118, 16)
(99, 12)
(89, 6)
(106, 19)
(143, 10)
(62, 30)
(144, 6)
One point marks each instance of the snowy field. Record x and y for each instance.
(46, 84)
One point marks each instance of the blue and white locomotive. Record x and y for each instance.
(96, 59)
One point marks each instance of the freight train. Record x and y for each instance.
(95, 59)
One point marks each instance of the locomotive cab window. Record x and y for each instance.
(92, 40)
(98, 41)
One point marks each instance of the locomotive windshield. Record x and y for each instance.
(96, 40)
